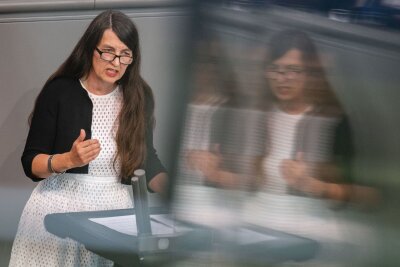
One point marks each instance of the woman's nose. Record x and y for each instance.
(116, 62)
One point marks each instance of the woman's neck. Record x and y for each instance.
(97, 87)
(294, 108)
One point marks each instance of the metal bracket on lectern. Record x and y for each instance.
(141, 203)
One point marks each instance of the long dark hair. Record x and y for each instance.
(318, 89)
(136, 115)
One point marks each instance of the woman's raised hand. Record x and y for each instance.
(83, 151)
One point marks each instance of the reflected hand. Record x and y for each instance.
(295, 172)
(204, 161)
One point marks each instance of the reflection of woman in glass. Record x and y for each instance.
(309, 146)
(206, 98)
(92, 126)
(235, 132)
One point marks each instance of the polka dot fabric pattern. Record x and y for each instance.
(104, 128)
(34, 246)
(100, 189)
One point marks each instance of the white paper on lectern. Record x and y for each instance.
(160, 224)
(127, 224)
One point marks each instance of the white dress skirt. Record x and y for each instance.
(34, 246)
(100, 189)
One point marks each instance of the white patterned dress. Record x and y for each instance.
(100, 189)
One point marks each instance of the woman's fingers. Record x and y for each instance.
(93, 154)
(89, 143)
(88, 147)
(83, 152)
(88, 153)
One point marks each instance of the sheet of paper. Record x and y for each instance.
(160, 224)
(163, 224)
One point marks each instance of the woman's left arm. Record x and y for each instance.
(156, 174)
(159, 183)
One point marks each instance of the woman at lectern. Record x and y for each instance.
(91, 127)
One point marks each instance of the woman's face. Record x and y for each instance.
(287, 78)
(109, 72)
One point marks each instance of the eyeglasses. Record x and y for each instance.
(110, 57)
(290, 73)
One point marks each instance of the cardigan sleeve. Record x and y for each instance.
(42, 130)
(153, 165)
(343, 149)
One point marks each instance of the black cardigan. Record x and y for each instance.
(62, 109)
